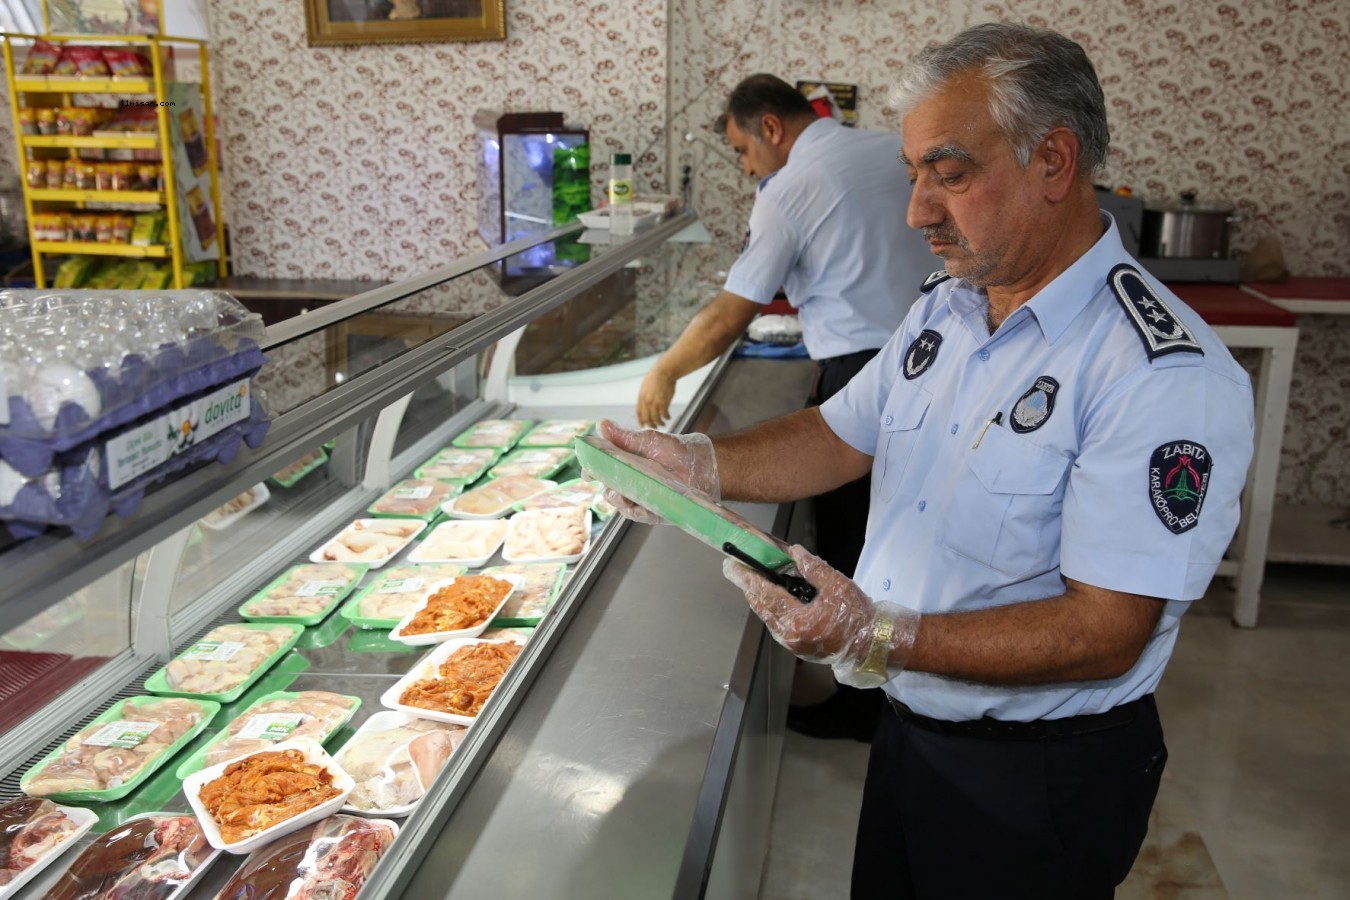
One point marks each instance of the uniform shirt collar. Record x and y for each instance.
(1059, 302)
(807, 145)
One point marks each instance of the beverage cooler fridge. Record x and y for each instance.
(631, 747)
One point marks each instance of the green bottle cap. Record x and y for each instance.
(621, 159)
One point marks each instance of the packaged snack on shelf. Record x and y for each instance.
(304, 786)
(103, 229)
(63, 117)
(393, 758)
(41, 58)
(27, 120)
(33, 833)
(462, 465)
(88, 62)
(272, 718)
(419, 498)
(46, 120)
(303, 594)
(36, 173)
(111, 756)
(56, 174)
(340, 850)
(223, 664)
(147, 177)
(103, 176)
(84, 227)
(74, 271)
(121, 233)
(125, 63)
(542, 582)
(148, 228)
(499, 433)
(394, 594)
(156, 278)
(122, 173)
(70, 174)
(201, 273)
(155, 856)
(86, 175)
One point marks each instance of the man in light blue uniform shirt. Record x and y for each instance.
(1057, 446)
(828, 228)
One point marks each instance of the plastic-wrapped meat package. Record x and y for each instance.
(496, 497)
(533, 598)
(29, 830)
(399, 591)
(538, 462)
(331, 861)
(548, 533)
(225, 658)
(415, 497)
(393, 765)
(97, 759)
(314, 714)
(304, 590)
(143, 859)
(556, 432)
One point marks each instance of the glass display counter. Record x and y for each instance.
(610, 748)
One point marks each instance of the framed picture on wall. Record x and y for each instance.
(404, 21)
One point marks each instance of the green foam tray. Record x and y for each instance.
(335, 597)
(196, 760)
(643, 482)
(158, 683)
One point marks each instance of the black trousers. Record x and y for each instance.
(841, 514)
(951, 818)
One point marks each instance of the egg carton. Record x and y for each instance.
(82, 487)
(61, 406)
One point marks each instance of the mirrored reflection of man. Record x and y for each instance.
(1058, 447)
(828, 228)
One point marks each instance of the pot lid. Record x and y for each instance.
(1188, 204)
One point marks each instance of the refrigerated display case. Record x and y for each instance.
(631, 750)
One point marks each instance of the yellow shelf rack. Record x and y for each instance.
(40, 91)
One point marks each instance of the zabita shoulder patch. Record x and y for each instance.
(1178, 477)
(1159, 328)
(933, 281)
(921, 354)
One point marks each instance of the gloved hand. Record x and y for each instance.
(841, 627)
(689, 458)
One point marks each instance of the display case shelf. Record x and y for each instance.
(91, 142)
(51, 84)
(76, 196)
(92, 248)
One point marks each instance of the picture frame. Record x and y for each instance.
(332, 22)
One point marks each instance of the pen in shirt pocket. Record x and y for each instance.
(995, 419)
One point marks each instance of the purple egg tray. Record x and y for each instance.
(141, 388)
(82, 499)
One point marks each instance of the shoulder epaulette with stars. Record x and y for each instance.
(1159, 329)
(933, 281)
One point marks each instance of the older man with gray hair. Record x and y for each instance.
(1057, 447)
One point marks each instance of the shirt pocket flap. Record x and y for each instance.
(1008, 464)
(904, 408)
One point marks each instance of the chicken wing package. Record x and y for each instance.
(393, 758)
(461, 465)
(332, 859)
(272, 718)
(304, 594)
(33, 833)
(462, 542)
(373, 541)
(494, 499)
(155, 856)
(560, 535)
(501, 434)
(577, 492)
(395, 593)
(537, 462)
(526, 607)
(557, 432)
(224, 663)
(111, 756)
(417, 498)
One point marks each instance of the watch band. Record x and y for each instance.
(873, 670)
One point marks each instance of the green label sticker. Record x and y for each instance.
(271, 726)
(220, 651)
(320, 588)
(401, 586)
(125, 735)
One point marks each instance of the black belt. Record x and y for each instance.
(1039, 730)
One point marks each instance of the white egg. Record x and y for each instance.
(56, 383)
(10, 482)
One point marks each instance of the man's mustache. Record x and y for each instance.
(943, 234)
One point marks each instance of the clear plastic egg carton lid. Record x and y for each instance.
(74, 364)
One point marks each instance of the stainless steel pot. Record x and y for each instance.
(1187, 230)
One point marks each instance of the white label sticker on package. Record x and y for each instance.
(417, 493)
(122, 734)
(155, 442)
(539, 456)
(401, 586)
(464, 459)
(317, 588)
(219, 651)
(271, 726)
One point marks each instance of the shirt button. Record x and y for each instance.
(886, 585)
(984, 356)
(889, 419)
(923, 504)
(954, 427)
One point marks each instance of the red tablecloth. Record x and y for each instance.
(1304, 289)
(1227, 304)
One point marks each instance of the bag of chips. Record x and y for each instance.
(41, 59)
(88, 62)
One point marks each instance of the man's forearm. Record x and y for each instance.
(1086, 634)
(712, 330)
(786, 459)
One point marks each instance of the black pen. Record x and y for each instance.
(994, 420)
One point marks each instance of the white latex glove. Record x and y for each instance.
(688, 458)
(859, 639)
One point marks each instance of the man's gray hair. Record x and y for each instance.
(1039, 80)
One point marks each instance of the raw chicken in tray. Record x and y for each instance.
(548, 535)
(394, 758)
(374, 541)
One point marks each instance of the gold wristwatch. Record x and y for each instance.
(872, 672)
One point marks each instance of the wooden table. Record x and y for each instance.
(1242, 319)
(1329, 296)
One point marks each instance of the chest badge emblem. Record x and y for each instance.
(921, 354)
(1178, 477)
(1035, 406)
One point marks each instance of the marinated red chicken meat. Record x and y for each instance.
(29, 830)
(330, 861)
(265, 789)
(144, 859)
